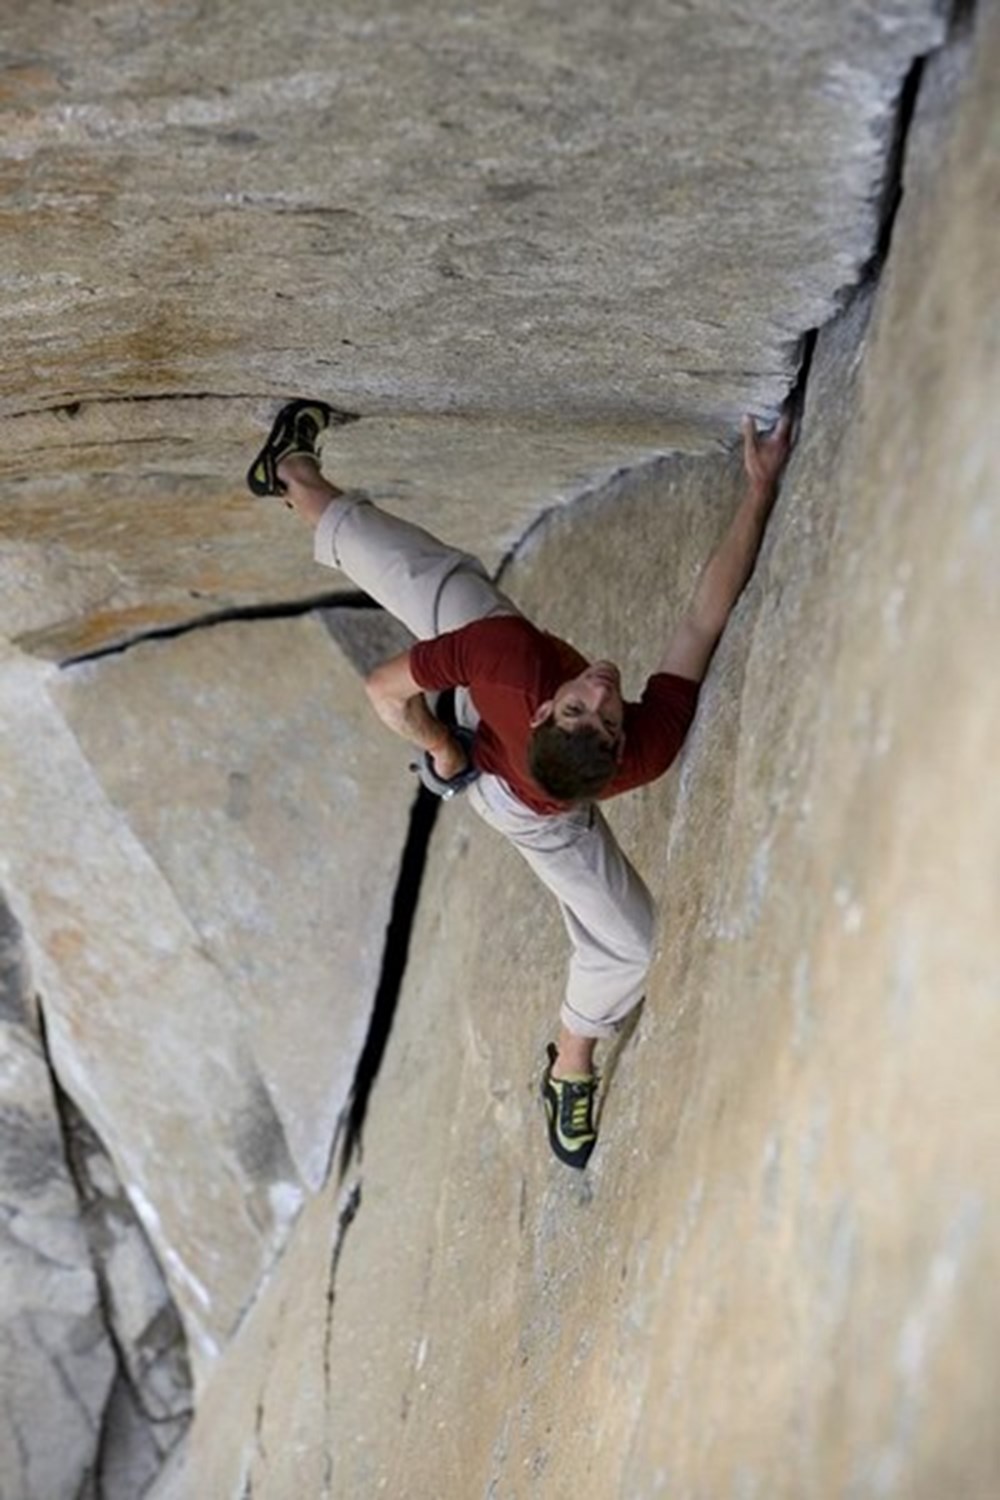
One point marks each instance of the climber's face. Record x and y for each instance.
(592, 699)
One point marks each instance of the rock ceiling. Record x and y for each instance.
(523, 244)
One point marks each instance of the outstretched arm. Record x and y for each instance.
(400, 703)
(690, 648)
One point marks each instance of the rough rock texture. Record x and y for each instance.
(202, 838)
(242, 759)
(524, 247)
(208, 989)
(776, 1280)
(264, 1422)
(524, 244)
(149, 1405)
(143, 1026)
(56, 1360)
(93, 1350)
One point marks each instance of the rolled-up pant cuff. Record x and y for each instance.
(602, 1030)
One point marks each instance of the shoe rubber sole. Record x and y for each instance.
(290, 433)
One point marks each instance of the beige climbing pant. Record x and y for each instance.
(607, 909)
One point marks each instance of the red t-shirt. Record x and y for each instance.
(510, 667)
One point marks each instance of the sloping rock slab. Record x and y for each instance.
(247, 763)
(144, 1029)
(56, 1360)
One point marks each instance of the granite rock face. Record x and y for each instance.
(143, 1027)
(96, 1385)
(775, 1278)
(202, 839)
(56, 1361)
(149, 1405)
(523, 245)
(94, 1380)
(526, 253)
(242, 760)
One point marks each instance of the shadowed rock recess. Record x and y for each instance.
(277, 1215)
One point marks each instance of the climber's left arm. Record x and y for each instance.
(723, 577)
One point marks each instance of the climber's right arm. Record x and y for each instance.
(399, 702)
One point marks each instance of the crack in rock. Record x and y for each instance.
(395, 952)
(73, 408)
(149, 1407)
(279, 610)
(350, 1204)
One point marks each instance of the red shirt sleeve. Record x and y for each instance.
(655, 728)
(491, 650)
(441, 662)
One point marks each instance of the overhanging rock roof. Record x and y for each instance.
(524, 244)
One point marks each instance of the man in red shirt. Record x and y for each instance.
(552, 733)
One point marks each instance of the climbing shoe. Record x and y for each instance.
(296, 429)
(569, 1109)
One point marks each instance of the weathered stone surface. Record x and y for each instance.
(776, 1279)
(244, 761)
(56, 1360)
(144, 1028)
(523, 244)
(208, 981)
(271, 1406)
(150, 1403)
(366, 636)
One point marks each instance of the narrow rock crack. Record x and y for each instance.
(72, 1123)
(961, 14)
(350, 1204)
(395, 952)
(279, 610)
(75, 406)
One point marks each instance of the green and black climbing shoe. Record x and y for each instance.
(569, 1109)
(296, 429)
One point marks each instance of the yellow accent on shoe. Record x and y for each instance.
(568, 1108)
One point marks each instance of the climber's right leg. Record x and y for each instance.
(426, 584)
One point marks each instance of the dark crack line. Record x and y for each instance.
(75, 407)
(961, 13)
(892, 187)
(97, 1467)
(64, 1108)
(258, 1432)
(395, 952)
(345, 1219)
(280, 610)
(796, 400)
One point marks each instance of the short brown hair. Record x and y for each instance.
(571, 764)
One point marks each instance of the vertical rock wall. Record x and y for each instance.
(240, 758)
(55, 1354)
(207, 966)
(149, 1405)
(776, 1278)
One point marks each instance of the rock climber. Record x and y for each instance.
(552, 734)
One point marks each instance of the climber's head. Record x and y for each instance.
(577, 741)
